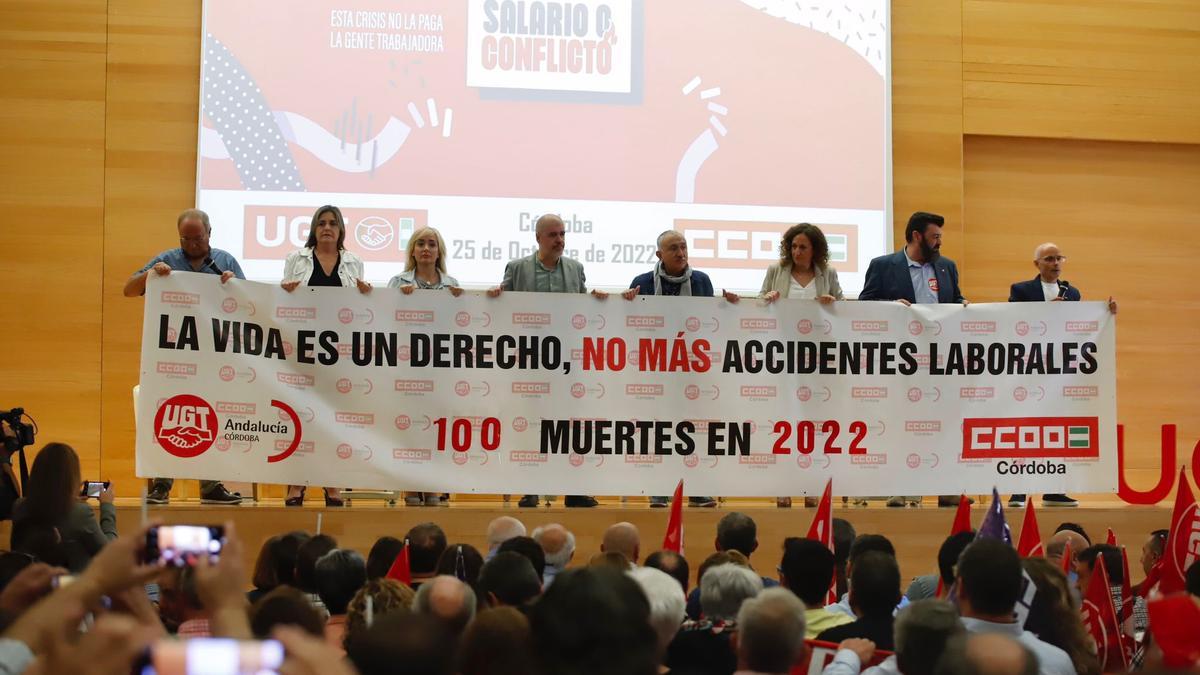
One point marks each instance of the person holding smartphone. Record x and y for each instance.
(52, 503)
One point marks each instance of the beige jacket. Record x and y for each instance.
(779, 278)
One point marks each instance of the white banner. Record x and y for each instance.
(572, 394)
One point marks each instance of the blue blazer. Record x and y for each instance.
(701, 285)
(1031, 291)
(888, 279)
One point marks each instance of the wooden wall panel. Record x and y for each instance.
(927, 115)
(1126, 70)
(51, 193)
(150, 176)
(1124, 214)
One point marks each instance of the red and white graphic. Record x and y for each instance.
(185, 425)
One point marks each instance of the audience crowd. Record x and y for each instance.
(82, 599)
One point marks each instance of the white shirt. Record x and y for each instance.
(299, 267)
(798, 292)
(1051, 659)
(1050, 290)
(846, 663)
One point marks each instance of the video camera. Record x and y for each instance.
(19, 434)
(22, 432)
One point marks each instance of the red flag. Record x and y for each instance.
(1066, 560)
(1173, 621)
(822, 530)
(1126, 588)
(822, 525)
(1112, 538)
(962, 523)
(962, 517)
(400, 570)
(673, 540)
(1100, 620)
(1030, 545)
(1178, 555)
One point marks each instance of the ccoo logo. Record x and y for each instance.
(185, 425)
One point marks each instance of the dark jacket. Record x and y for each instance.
(877, 629)
(81, 534)
(1031, 291)
(701, 285)
(888, 279)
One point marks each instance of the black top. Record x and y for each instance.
(877, 629)
(319, 278)
(700, 648)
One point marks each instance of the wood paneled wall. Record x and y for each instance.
(99, 137)
(52, 200)
(1121, 70)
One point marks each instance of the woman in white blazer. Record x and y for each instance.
(324, 261)
(802, 273)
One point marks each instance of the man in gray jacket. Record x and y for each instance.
(547, 271)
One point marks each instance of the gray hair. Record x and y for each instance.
(194, 213)
(725, 587)
(664, 234)
(1037, 252)
(458, 620)
(502, 529)
(668, 607)
(922, 630)
(771, 631)
(558, 559)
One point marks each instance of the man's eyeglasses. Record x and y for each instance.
(1054, 259)
(192, 240)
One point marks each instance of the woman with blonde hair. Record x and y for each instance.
(425, 265)
(324, 261)
(425, 269)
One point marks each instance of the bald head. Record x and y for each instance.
(1048, 259)
(502, 529)
(447, 599)
(557, 543)
(998, 654)
(622, 538)
(551, 235)
(1054, 547)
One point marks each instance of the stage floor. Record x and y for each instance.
(917, 532)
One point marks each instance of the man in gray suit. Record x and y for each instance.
(547, 271)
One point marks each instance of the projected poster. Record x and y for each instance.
(728, 120)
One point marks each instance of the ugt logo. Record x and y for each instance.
(185, 425)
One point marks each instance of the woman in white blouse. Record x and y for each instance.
(803, 271)
(324, 261)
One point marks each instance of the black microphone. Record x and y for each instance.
(208, 262)
(1062, 288)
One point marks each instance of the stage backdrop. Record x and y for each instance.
(727, 120)
(569, 393)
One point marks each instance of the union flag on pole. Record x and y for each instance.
(673, 540)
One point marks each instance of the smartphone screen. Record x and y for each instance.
(181, 545)
(91, 489)
(213, 656)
